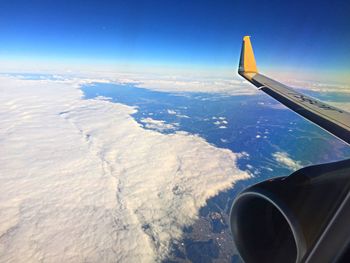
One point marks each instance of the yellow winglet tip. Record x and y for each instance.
(247, 62)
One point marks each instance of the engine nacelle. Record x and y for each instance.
(285, 219)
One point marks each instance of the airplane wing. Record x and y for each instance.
(331, 119)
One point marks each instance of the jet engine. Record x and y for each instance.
(303, 217)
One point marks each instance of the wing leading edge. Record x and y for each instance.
(331, 119)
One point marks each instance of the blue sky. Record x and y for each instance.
(286, 34)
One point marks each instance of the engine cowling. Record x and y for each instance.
(284, 219)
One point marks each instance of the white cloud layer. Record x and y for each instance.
(232, 86)
(228, 85)
(284, 159)
(82, 181)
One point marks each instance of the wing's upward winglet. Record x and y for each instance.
(247, 61)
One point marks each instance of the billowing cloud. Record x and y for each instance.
(284, 159)
(171, 112)
(221, 122)
(159, 125)
(81, 180)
